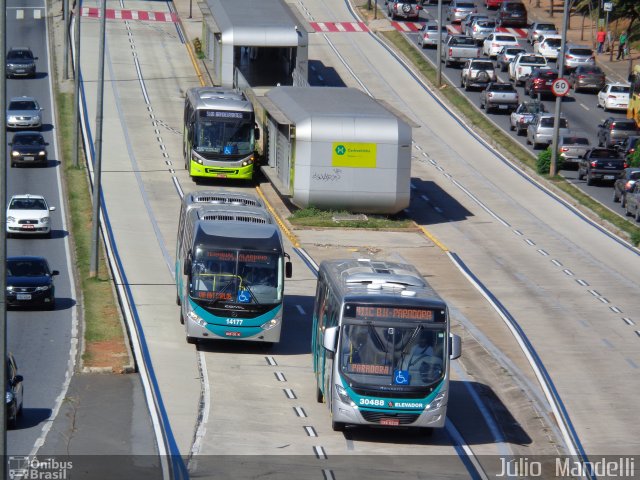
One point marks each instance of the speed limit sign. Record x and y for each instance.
(560, 87)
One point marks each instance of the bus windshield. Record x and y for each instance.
(231, 276)
(232, 134)
(384, 355)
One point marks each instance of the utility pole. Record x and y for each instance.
(76, 85)
(65, 20)
(556, 121)
(97, 167)
(439, 46)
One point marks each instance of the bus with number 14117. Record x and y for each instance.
(381, 345)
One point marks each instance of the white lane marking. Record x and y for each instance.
(280, 376)
(418, 147)
(424, 197)
(437, 209)
(328, 474)
(628, 321)
(311, 432)
(556, 262)
(448, 175)
(204, 406)
(319, 451)
(568, 272)
(582, 282)
(301, 310)
(438, 167)
(271, 361)
(518, 232)
(529, 241)
(638, 332)
(433, 162)
(289, 393)
(607, 343)
(19, 14)
(300, 412)
(542, 252)
(425, 154)
(631, 362)
(603, 300)
(455, 435)
(412, 186)
(594, 293)
(37, 14)
(585, 107)
(615, 309)
(478, 202)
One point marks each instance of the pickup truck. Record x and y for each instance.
(502, 96)
(477, 73)
(522, 66)
(458, 48)
(601, 164)
(524, 115)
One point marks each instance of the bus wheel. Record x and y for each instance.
(181, 319)
(191, 340)
(337, 426)
(319, 395)
(426, 431)
(178, 303)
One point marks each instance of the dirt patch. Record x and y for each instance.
(107, 354)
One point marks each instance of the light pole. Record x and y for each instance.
(439, 47)
(3, 238)
(556, 120)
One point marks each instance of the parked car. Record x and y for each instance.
(428, 34)
(539, 82)
(540, 130)
(572, 148)
(601, 164)
(28, 148)
(522, 66)
(501, 96)
(506, 56)
(587, 77)
(548, 46)
(403, 8)
(28, 215)
(614, 96)
(614, 131)
(30, 282)
(540, 28)
(524, 114)
(628, 147)
(480, 29)
(14, 398)
(458, 48)
(477, 73)
(512, 13)
(458, 9)
(495, 41)
(576, 55)
(20, 62)
(24, 112)
(632, 205)
(624, 184)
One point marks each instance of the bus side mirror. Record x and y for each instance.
(256, 133)
(455, 346)
(288, 269)
(187, 267)
(329, 338)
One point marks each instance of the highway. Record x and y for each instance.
(566, 283)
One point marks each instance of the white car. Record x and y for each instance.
(614, 96)
(28, 215)
(495, 41)
(548, 46)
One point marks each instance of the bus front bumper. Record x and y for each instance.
(204, 171)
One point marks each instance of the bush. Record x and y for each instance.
(634, 160)
(543, 163)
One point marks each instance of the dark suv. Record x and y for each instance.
(20, 62)
(540, 82)
(614, 131)
(512, 13)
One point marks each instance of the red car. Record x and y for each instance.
(492, 3)
(540, 82)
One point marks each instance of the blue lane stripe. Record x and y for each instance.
(178, 24)
(306, 261)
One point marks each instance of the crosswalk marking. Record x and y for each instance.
(111, 14)
(37, 14)
(19, 14)
(339, 27)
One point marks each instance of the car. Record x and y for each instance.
(506, 56)
(501, 96)
(489, 4)
(613, 131)
(496, 41)
(24, 112)
(548, 46)
(28, 148)
(14, 397)
(624, 184)
(477, 73)
(480, 28)
(30, 282)
(521, 67)
(539, 83)
(572, 148)
(604, 164)
(458, 9)
(428, 34)
(540, 28)
(628, 146)
(20, 62)
(512, 13)
(587, 77)
(540, 130)
(524, 114)
(576, 55)
(28, 215)
(403, 8)
(469, 19)
(614, 96)
(632, 205)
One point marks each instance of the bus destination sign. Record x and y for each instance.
(224, 114)
(367, 312)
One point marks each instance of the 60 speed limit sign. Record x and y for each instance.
(560, 87)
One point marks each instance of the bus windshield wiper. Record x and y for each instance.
(412, 339)
(377, 338)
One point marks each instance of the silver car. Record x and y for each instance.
(540, 28)
(573, 147)
(460, 9)
(20, 62)
(576, 55)
(480, 29)
(540, 131)
(24, 112)
(506, 55)
(428, 34)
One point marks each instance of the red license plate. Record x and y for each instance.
(232, 334)
(221, 175)
(390, 421)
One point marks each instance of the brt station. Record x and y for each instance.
(335, 148)
(255, 44)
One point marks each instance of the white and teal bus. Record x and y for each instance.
(220, 133)
(381, 345)
(230, 268)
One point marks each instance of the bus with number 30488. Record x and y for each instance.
(381, 345)
(230, 268)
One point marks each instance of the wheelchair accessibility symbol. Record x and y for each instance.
(244, 296)
(401, 377)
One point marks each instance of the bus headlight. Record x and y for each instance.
(247, 162)
(270, 324)
(344, 396)
(436, 402)
(8, 398)
(194, 317)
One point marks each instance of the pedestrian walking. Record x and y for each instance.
(622, 47)
(601, 36)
